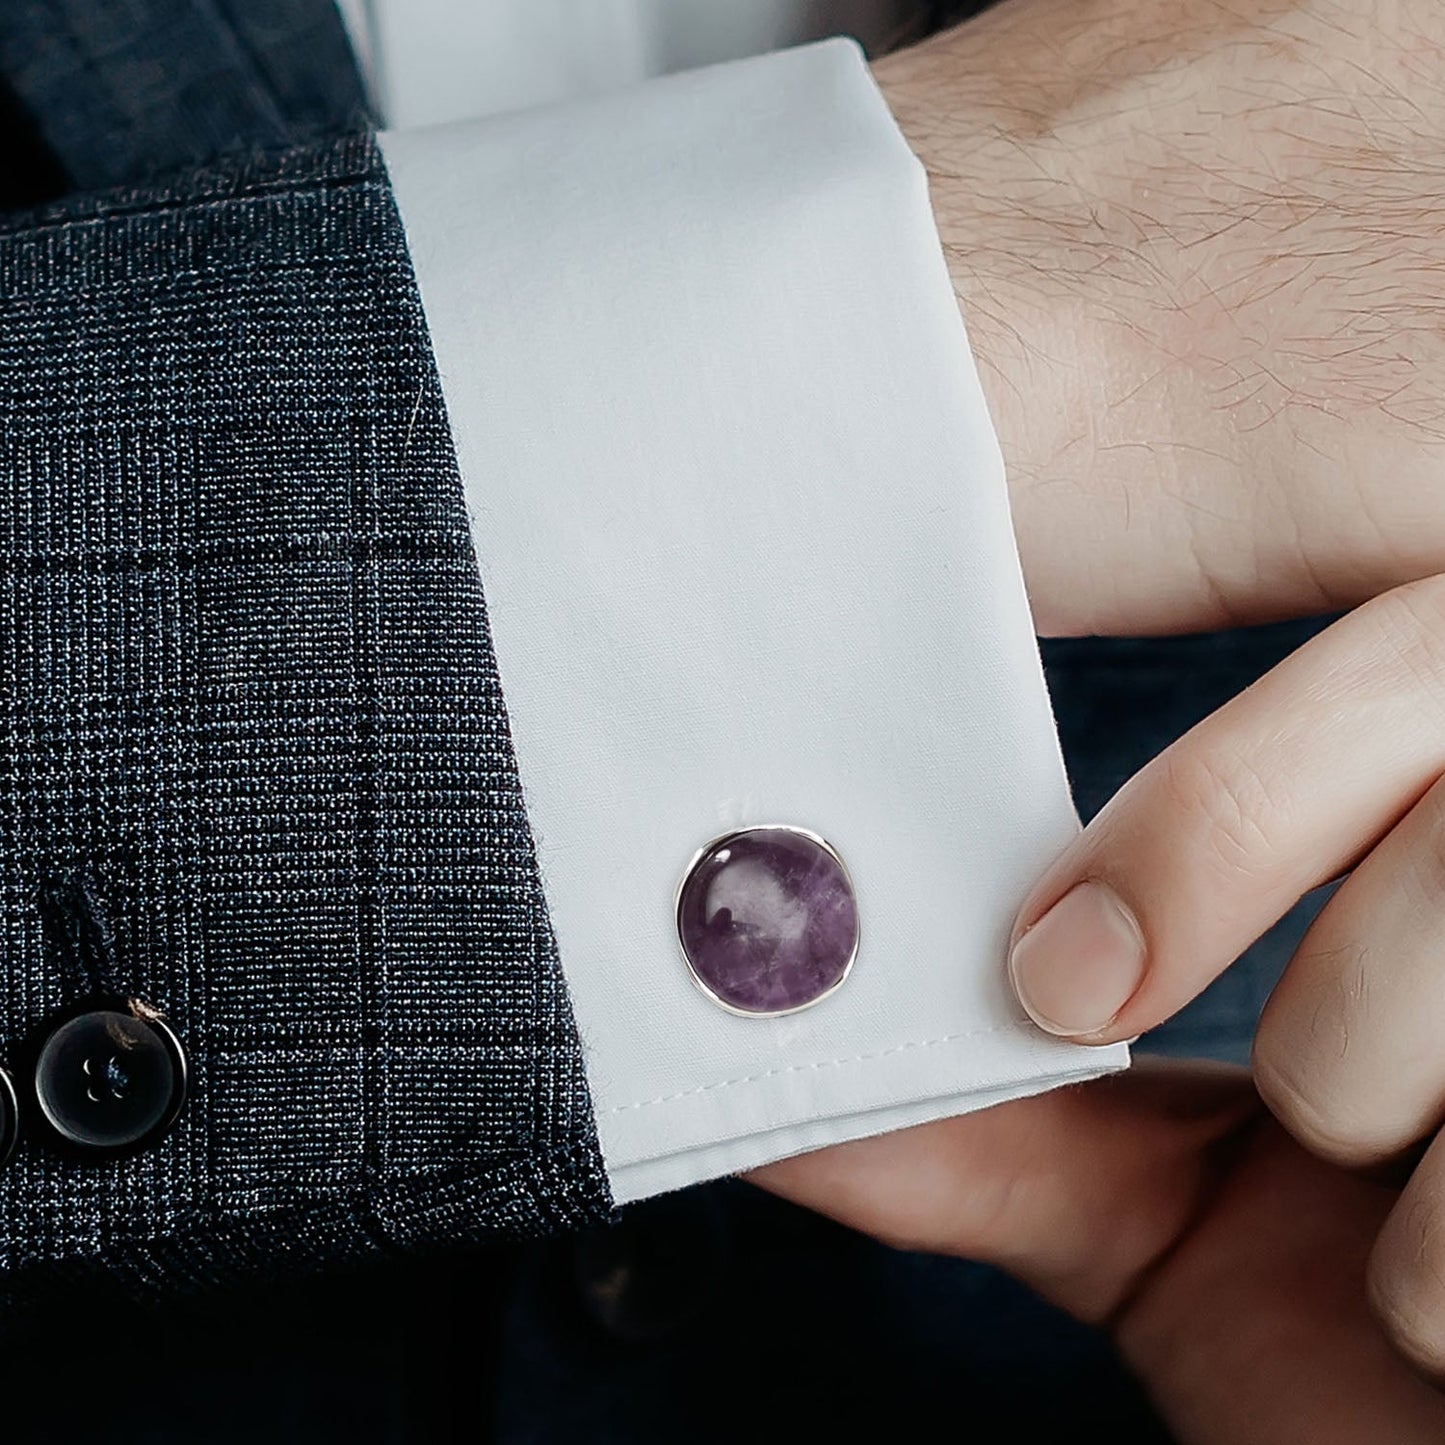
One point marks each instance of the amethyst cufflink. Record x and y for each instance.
(767, 920)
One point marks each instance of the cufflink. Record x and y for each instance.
(767, 920)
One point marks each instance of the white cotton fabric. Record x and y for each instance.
(744, 535)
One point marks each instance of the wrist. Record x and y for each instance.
(1059, 235)
(1011, 235)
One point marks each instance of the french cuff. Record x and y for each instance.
(744, 537)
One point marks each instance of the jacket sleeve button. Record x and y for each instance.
(109, 1080)
(9, 1117)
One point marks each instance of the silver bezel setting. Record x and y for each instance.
(711, 846)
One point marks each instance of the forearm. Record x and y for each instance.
(1029, 258)
(1200, 258)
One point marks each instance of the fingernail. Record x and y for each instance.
(1080, 963)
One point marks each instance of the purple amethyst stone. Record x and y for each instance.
(767, 920)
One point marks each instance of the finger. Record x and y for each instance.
(1257, 1330)
(1348, 1053)
(1283, 788)
(1077, 1192)
(1407, 1268)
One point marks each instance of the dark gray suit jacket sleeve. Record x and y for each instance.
(250, 716)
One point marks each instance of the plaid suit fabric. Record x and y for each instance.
(247, 688)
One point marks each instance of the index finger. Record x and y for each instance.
(1283, 788)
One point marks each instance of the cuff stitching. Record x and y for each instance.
(813, 1064)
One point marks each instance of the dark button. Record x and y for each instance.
(108, 1081)
(9, 1117)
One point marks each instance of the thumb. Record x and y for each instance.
(1078, 1192)
(1285, 787)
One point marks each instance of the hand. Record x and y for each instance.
(1207, 243)
(1164, 1205)
(1214, 244)
(1201, 253)
(1331, 762)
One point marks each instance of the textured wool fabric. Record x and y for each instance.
(247, 692)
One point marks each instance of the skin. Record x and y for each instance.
(1200, 250)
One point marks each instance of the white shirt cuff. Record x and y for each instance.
(744, 536)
